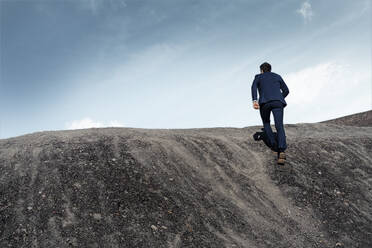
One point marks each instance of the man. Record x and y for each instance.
(272, 90)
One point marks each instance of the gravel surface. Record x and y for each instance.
(209, 187)
(359, 119)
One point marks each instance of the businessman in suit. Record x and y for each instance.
(272, 91)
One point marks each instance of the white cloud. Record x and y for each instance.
(89, 123)
(95, 6)
(308, 84)
(306, 11)
(328, 89)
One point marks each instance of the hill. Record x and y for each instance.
(209, 187)
(363, 119)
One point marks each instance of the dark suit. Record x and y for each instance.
(272, 90)
(269, 85)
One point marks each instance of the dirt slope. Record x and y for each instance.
(362, 119)
(215, 187)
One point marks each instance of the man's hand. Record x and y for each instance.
(256, 105)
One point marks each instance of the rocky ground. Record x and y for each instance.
(358, 119)
(210, 187)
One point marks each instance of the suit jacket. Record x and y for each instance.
(271, 86)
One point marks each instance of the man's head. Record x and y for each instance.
(265, 67)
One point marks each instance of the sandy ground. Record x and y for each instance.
(210, 187)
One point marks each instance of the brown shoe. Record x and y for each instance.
(281, 157)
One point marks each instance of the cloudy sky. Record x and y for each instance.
(68, 64)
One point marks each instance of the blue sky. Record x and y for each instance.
(178, 63)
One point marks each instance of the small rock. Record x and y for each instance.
(154, 227)
(114, 159)
(97, 216)
(319, 172)
(77, 185)
(164, 227)
(338, 244)
(29, 208)
(171, 179)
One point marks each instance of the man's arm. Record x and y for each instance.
(254, 88)
(254, 93)
(283, 87)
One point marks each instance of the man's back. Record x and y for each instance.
(271, 86)
(272, 91)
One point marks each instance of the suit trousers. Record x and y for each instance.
(277, 108)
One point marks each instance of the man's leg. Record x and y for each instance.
(278, 118)
(265, 116)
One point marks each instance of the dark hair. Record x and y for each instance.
(265, 67)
